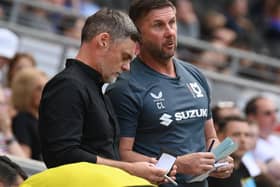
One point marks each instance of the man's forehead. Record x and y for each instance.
(161, 13)
(264, 102)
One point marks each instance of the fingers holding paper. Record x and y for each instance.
(152, 173)
(195, 163)
(148, 171)
(224, 168)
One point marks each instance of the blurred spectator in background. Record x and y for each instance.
(5, 7)
(273, 22)
(85, 7)
(11, 175)
(238, 129)
(27, 88)
(260, 10)
(61, 3)
(246, 172)
(272, 29)
(120, 4)
(263, 111)
(254, 135)
(248, 68)
(211, 21)
(266, 14)
(19, 62)
(215, 32)
(214, 28)
(56, 17)
(228, 111)
(187, 20)
(222, 110)
(8, 143)
(257, 168)
(224, 35)
(2, 14)
(35, 17)
(236, 12)
(71, 26)
(8, 47)
(213, 60)
(64, 23)
(187, 26)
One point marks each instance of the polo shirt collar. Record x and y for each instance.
(95, 75)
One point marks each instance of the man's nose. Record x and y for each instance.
(170, 31)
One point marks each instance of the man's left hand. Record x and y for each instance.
(224, 171)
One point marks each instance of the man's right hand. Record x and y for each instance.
(150, 172)
(146, 170)
(195, 163)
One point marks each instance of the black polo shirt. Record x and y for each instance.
(76, 121)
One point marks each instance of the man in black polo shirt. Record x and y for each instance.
(76, 121)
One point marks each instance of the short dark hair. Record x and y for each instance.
(224, 122)
(251, 106)
(115, 22)
(9, 171)
(216, 109)
(176, 2)
(140, 8)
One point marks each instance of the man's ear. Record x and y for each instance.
(103, 39)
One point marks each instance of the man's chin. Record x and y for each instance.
(168, 54)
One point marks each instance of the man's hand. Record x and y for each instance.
(195, 163)
(148, 171)
(224, 171)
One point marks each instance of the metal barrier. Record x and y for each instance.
(235, 53)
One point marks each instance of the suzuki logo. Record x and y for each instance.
(166, 119)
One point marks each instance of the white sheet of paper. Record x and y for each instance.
(166, 162)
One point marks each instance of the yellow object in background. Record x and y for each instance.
(84, 174)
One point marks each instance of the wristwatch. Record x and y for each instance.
(9, 141)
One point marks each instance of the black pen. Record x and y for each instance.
(211, 145)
